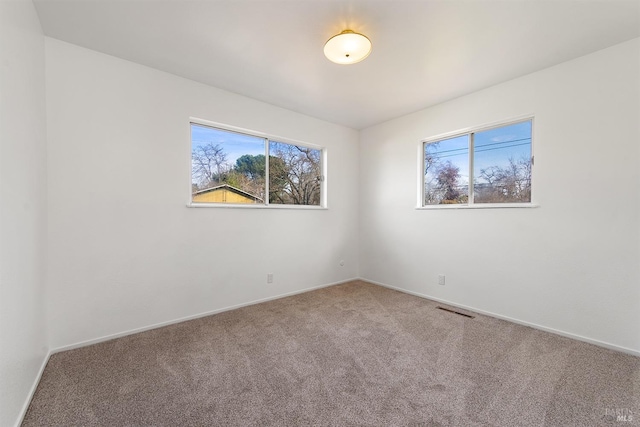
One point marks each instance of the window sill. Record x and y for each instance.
(254, 206)
(481, 206)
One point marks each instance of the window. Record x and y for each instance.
(230, 167)
(487, 166)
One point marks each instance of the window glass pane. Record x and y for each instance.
(294, 174)
(446, 171)
(226, 167)
(502, 164)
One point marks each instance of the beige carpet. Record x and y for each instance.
(352, 354)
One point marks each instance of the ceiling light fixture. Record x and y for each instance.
(348, 47)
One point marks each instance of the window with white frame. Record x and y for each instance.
(481, 167)
(230, 167)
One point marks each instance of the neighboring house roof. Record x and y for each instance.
(229, 188)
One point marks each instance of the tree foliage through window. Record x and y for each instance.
(294, 174)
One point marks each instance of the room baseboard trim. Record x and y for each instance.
(192, 317)
(32, 391)
(510, 319)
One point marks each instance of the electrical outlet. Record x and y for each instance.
(269, 277)
(441, 279)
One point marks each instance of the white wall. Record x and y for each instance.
(23, 346)
(573, 263)
(124, 251)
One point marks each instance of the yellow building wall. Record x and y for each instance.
(222, 195)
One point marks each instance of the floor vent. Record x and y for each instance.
(455, 312)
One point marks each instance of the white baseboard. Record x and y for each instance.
(510, 319)
(233, 307)
(192, 317)
(32, 391)
(50, 352)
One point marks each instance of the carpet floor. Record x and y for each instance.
(353, 354)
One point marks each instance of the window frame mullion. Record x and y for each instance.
(267, 142)
(471, 168)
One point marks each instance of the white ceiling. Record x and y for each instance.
(424, 52)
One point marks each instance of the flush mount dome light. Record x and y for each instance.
(348, 47)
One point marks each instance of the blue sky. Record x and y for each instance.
(492, 147)
(234, 144)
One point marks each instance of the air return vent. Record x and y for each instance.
(455, 312)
